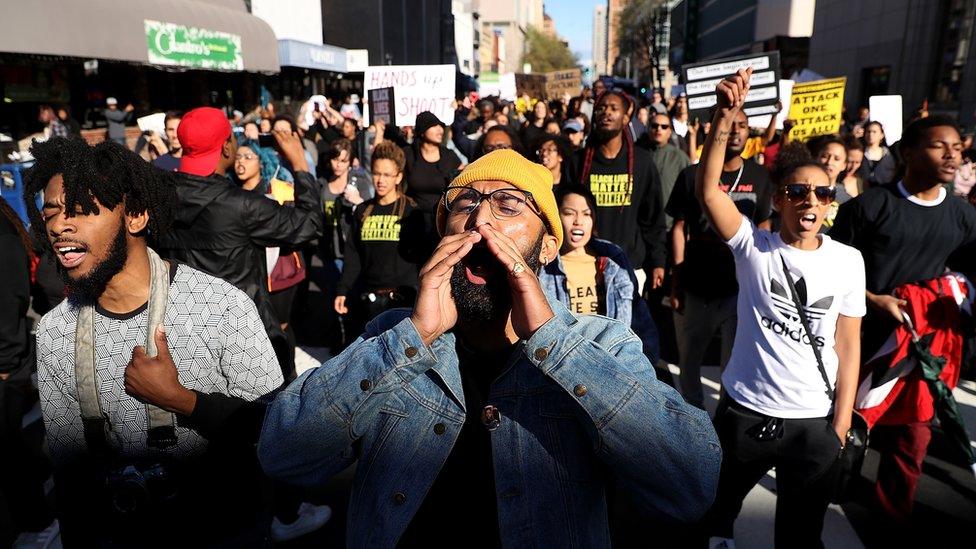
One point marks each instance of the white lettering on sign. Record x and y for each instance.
(324, 57)
(167, 44)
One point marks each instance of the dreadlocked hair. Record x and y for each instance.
(9, 213)
(792, 157)
(107, 175)
(591, 144)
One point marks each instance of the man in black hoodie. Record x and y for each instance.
(630, 211)
(222, 229)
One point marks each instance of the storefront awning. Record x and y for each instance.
(293, 53)
(201, 34)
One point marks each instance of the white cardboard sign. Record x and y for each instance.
(417, 88)
(887, 110)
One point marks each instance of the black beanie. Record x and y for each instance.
(425, 121)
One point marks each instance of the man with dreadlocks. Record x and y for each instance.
(626, 186)
(137, 366)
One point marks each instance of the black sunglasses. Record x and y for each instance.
(659, 126)
(799, 191)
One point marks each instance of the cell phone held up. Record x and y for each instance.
(267, 140)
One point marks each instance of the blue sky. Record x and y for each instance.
(574, 22)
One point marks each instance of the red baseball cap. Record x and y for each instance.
(202, 133)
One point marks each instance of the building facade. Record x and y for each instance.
(707, 29)
(506, 22)
(599, 40)
(409, 32)
(922, 50)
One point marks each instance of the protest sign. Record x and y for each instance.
(887, 110)
(532, 84)
(155, 122)
(500, 85)
(700, 80)
(562, 82)
(762, 120)
(417, 88)
(382, 106)
(816, 107)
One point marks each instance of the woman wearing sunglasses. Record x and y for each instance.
(789, 385)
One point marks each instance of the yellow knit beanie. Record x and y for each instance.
(511, 167)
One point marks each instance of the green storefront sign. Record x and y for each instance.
(182, 46)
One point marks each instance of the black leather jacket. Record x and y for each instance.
(222, 230)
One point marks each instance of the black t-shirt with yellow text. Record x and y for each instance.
(385, 249)
(630, 212)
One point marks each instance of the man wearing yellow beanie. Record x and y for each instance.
(487, 408)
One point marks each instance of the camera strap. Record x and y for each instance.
(161, 432)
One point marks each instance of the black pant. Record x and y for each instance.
(23, 506)
(803, 456)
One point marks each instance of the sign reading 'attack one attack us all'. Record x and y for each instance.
(182, 46)
(816, 107)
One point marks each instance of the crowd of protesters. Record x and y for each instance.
(503, 290)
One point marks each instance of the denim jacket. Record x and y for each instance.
(623, 302)
(580, 407)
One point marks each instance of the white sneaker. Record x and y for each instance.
(715, 542)
(310, 518)
(45, 539)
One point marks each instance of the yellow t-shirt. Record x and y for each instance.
(581, 283)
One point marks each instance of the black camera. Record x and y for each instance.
(134, 488)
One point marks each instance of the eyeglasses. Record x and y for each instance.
(245, 157)
(381, 175)
(495, 147)
(503, 202)
(659, 126)
(543, 151)
(799, 191)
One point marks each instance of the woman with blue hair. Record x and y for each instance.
(258, 169)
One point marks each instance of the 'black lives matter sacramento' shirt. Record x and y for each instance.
(631, 216)
(384, 249)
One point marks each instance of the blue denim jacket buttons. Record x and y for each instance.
(491, 417)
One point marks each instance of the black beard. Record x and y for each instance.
(87, 289)
(601, 135)
(491, 301)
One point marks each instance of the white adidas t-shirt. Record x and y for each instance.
(773, 369)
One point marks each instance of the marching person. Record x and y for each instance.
(879, 161)
(555, 153)
(486, 407)
(627, 188)
(222, 229)
(790, 383)
(135, 330)
(907, 230)
(704, 291)
(593, 276)
(386, 242)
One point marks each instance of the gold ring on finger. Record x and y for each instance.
(517, 269)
